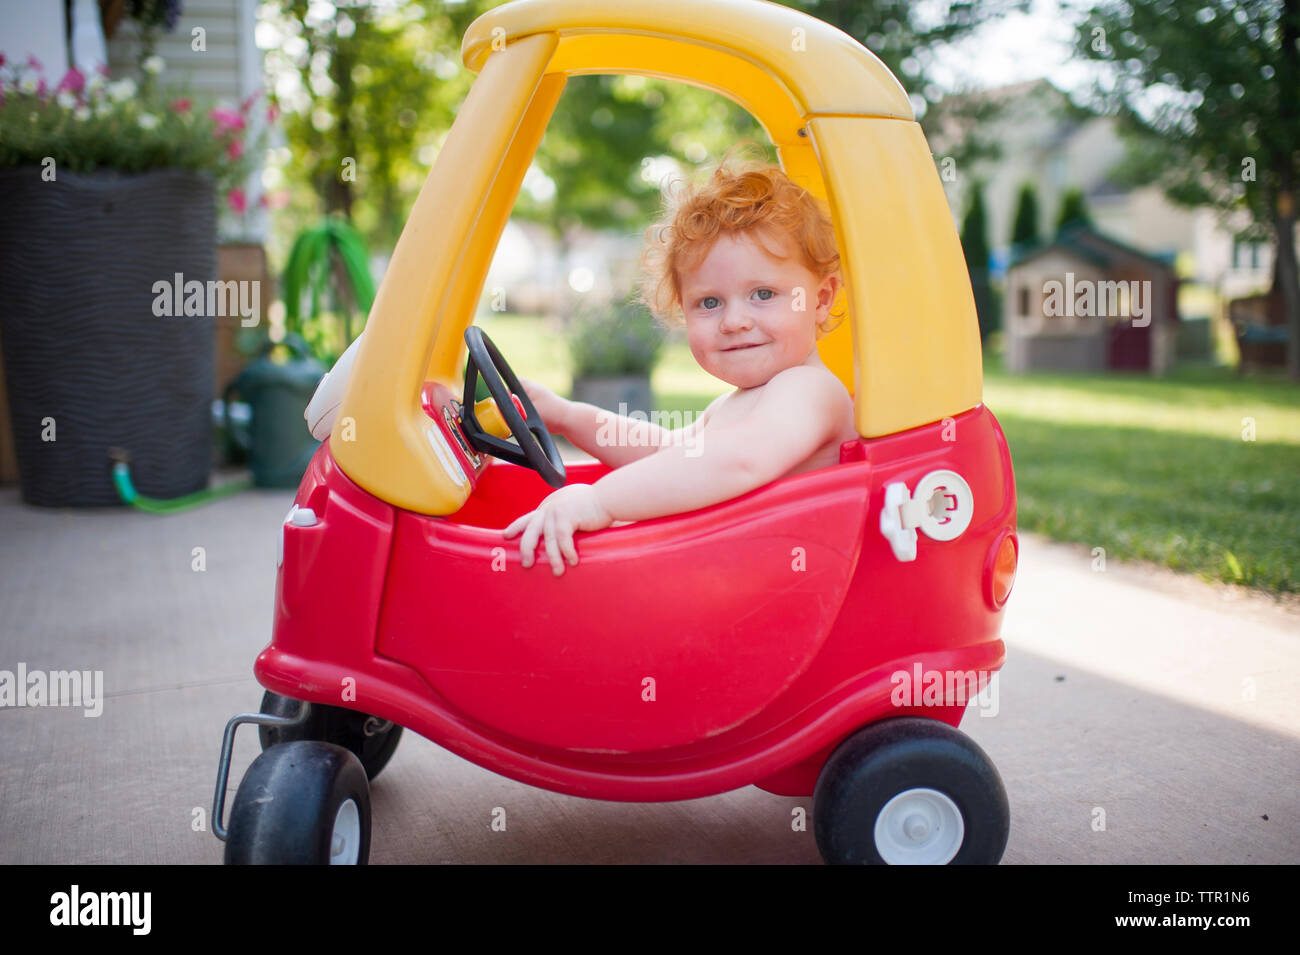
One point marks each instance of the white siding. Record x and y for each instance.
(229, 70)
(35, 29)
(216, 72)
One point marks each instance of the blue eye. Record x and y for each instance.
(765, 294)
(710, 298)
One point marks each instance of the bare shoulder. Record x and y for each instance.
(809, 383)
(717, 401)
(714, 405)
(817, 395)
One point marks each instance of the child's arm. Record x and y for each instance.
(796, 414)
(612, 439)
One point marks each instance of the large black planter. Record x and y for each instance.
(86, 359)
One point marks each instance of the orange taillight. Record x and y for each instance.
(1004, 570)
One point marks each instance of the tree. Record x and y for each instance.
(604, 128)
(1073, 209)
(1024, 227)
(365, 93)
(975, 245)
(1205, 92)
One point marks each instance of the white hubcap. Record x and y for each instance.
(345, 840)
(919, 827)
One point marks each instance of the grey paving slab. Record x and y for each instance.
(1169, 704)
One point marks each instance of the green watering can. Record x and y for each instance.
(278, 445)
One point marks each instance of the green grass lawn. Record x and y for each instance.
(1148, 469)
(1158, 470)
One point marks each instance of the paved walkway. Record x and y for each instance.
(1171, 706)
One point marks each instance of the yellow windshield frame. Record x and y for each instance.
(843, 128)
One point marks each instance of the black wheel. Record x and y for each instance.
(301, 803)
(910, 791)
(372, 740)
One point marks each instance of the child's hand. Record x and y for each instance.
(549, 405)
(573, 508)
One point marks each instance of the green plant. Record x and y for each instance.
(329, 258)
(1024, 230)
(974, 243)
(622, 339)
(89, 123)
(1073, 209)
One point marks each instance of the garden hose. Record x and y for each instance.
(127, 492)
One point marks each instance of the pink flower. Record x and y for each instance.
(247, 104)
(2, 59)
(227, 120)
(273, 112)
(102, 70)
(237, 201)
(74, 81)
(182, 105)
(34, 63)
(235, 149)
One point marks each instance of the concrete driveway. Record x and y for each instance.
(1143, 717)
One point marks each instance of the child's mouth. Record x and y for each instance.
(745, 347)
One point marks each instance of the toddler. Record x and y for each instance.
(748, 263)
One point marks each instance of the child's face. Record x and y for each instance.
(740, 309)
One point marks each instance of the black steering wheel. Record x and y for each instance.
(536, 449)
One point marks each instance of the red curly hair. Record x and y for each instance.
(750, 197)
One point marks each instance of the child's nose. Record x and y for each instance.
(736, 318)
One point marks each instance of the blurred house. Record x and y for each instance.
(1045, 142)
(1083, 301)
(1259, 323)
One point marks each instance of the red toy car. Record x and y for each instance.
(820, 636)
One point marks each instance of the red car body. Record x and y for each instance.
(684, 656)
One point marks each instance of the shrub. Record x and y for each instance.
(622, 339)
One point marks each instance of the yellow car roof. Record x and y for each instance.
(823, 69)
